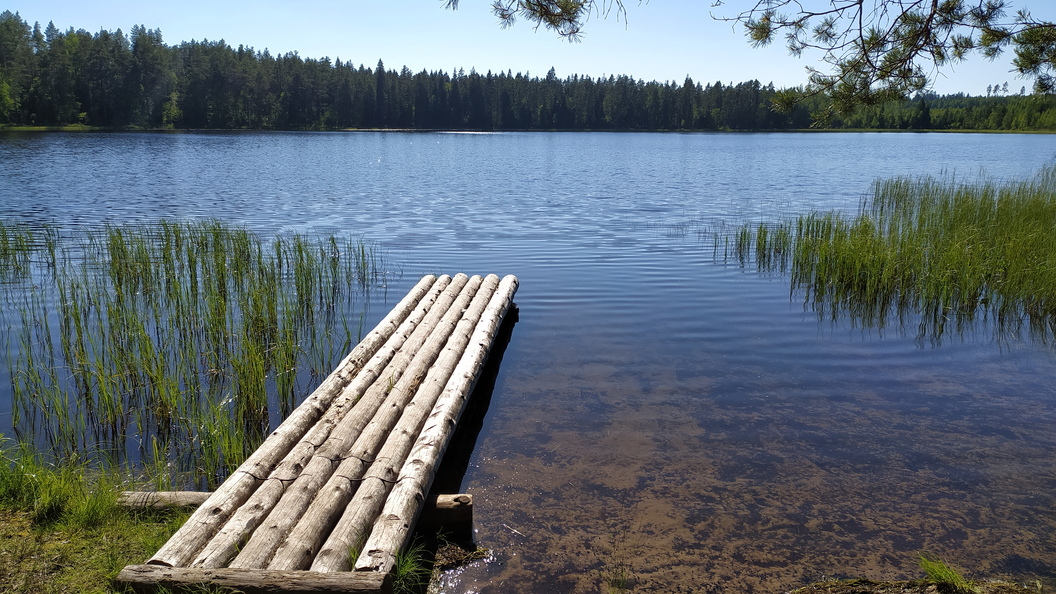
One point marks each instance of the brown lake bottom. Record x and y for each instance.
(589, 472)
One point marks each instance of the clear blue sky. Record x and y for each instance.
(660, 40)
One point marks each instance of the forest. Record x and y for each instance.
(112, 80)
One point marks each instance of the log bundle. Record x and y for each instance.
(333, 494)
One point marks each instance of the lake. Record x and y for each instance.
(660, 410)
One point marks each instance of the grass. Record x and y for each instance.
(944, 575)
(412, 569)
(61, 530)
(170, 349)
(151, 356)
(940, 253)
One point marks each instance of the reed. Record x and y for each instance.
(17, 244)
(170, 348)
(940, 252)
(945, 576)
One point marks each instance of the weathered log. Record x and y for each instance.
(304, 514)
(162, 498)
(224, 545)
(363, 509)
(453, 513)
(207, 519)
(393, 527)
(150, 578)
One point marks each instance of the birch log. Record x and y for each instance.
(224, 545)
(306, 512)
(204, 522)
(363, 509)
(393, 526)
(162, 498)
(149, 578)
(452, 514)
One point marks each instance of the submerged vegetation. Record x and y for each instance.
(941, 253)
(169, 349)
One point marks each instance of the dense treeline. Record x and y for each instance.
(111, 79)
(958, 112)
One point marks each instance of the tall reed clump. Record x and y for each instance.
(170, 348)
(941, 251)
(945, 576)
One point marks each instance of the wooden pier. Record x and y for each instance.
(332, 496)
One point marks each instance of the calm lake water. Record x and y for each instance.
(657, 408)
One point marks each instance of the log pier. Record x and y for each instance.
(331, 497)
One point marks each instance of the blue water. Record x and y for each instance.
(658, 407)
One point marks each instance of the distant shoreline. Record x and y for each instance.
(117, 129)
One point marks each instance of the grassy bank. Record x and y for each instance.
(935, 254)
(61, 530)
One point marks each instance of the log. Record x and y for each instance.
(453, 513)
(363, 509)
(313, 484)
(225, 544)
(298, 546)
(159, 499)
(393, 527)
(150, 578)
(207, 519)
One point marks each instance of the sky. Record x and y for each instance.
(658, 40)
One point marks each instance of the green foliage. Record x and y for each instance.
(52, 493)
(941, 250)
(876, 52)
(564, 17)
(411, 571)
(952, 112)
(7, 103)
(213, 85)
(183, 337)
(944, 575)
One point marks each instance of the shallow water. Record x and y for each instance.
(657, 407)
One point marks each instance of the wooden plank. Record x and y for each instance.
(298, 546)
(225, 544)
(150, 578)
(354, 525)
(207, 519)
(393, 527)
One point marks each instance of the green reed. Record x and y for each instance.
(170, 348)
(941, 252)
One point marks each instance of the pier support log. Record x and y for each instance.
(144, 579)
(162, 498)
(450, 514)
